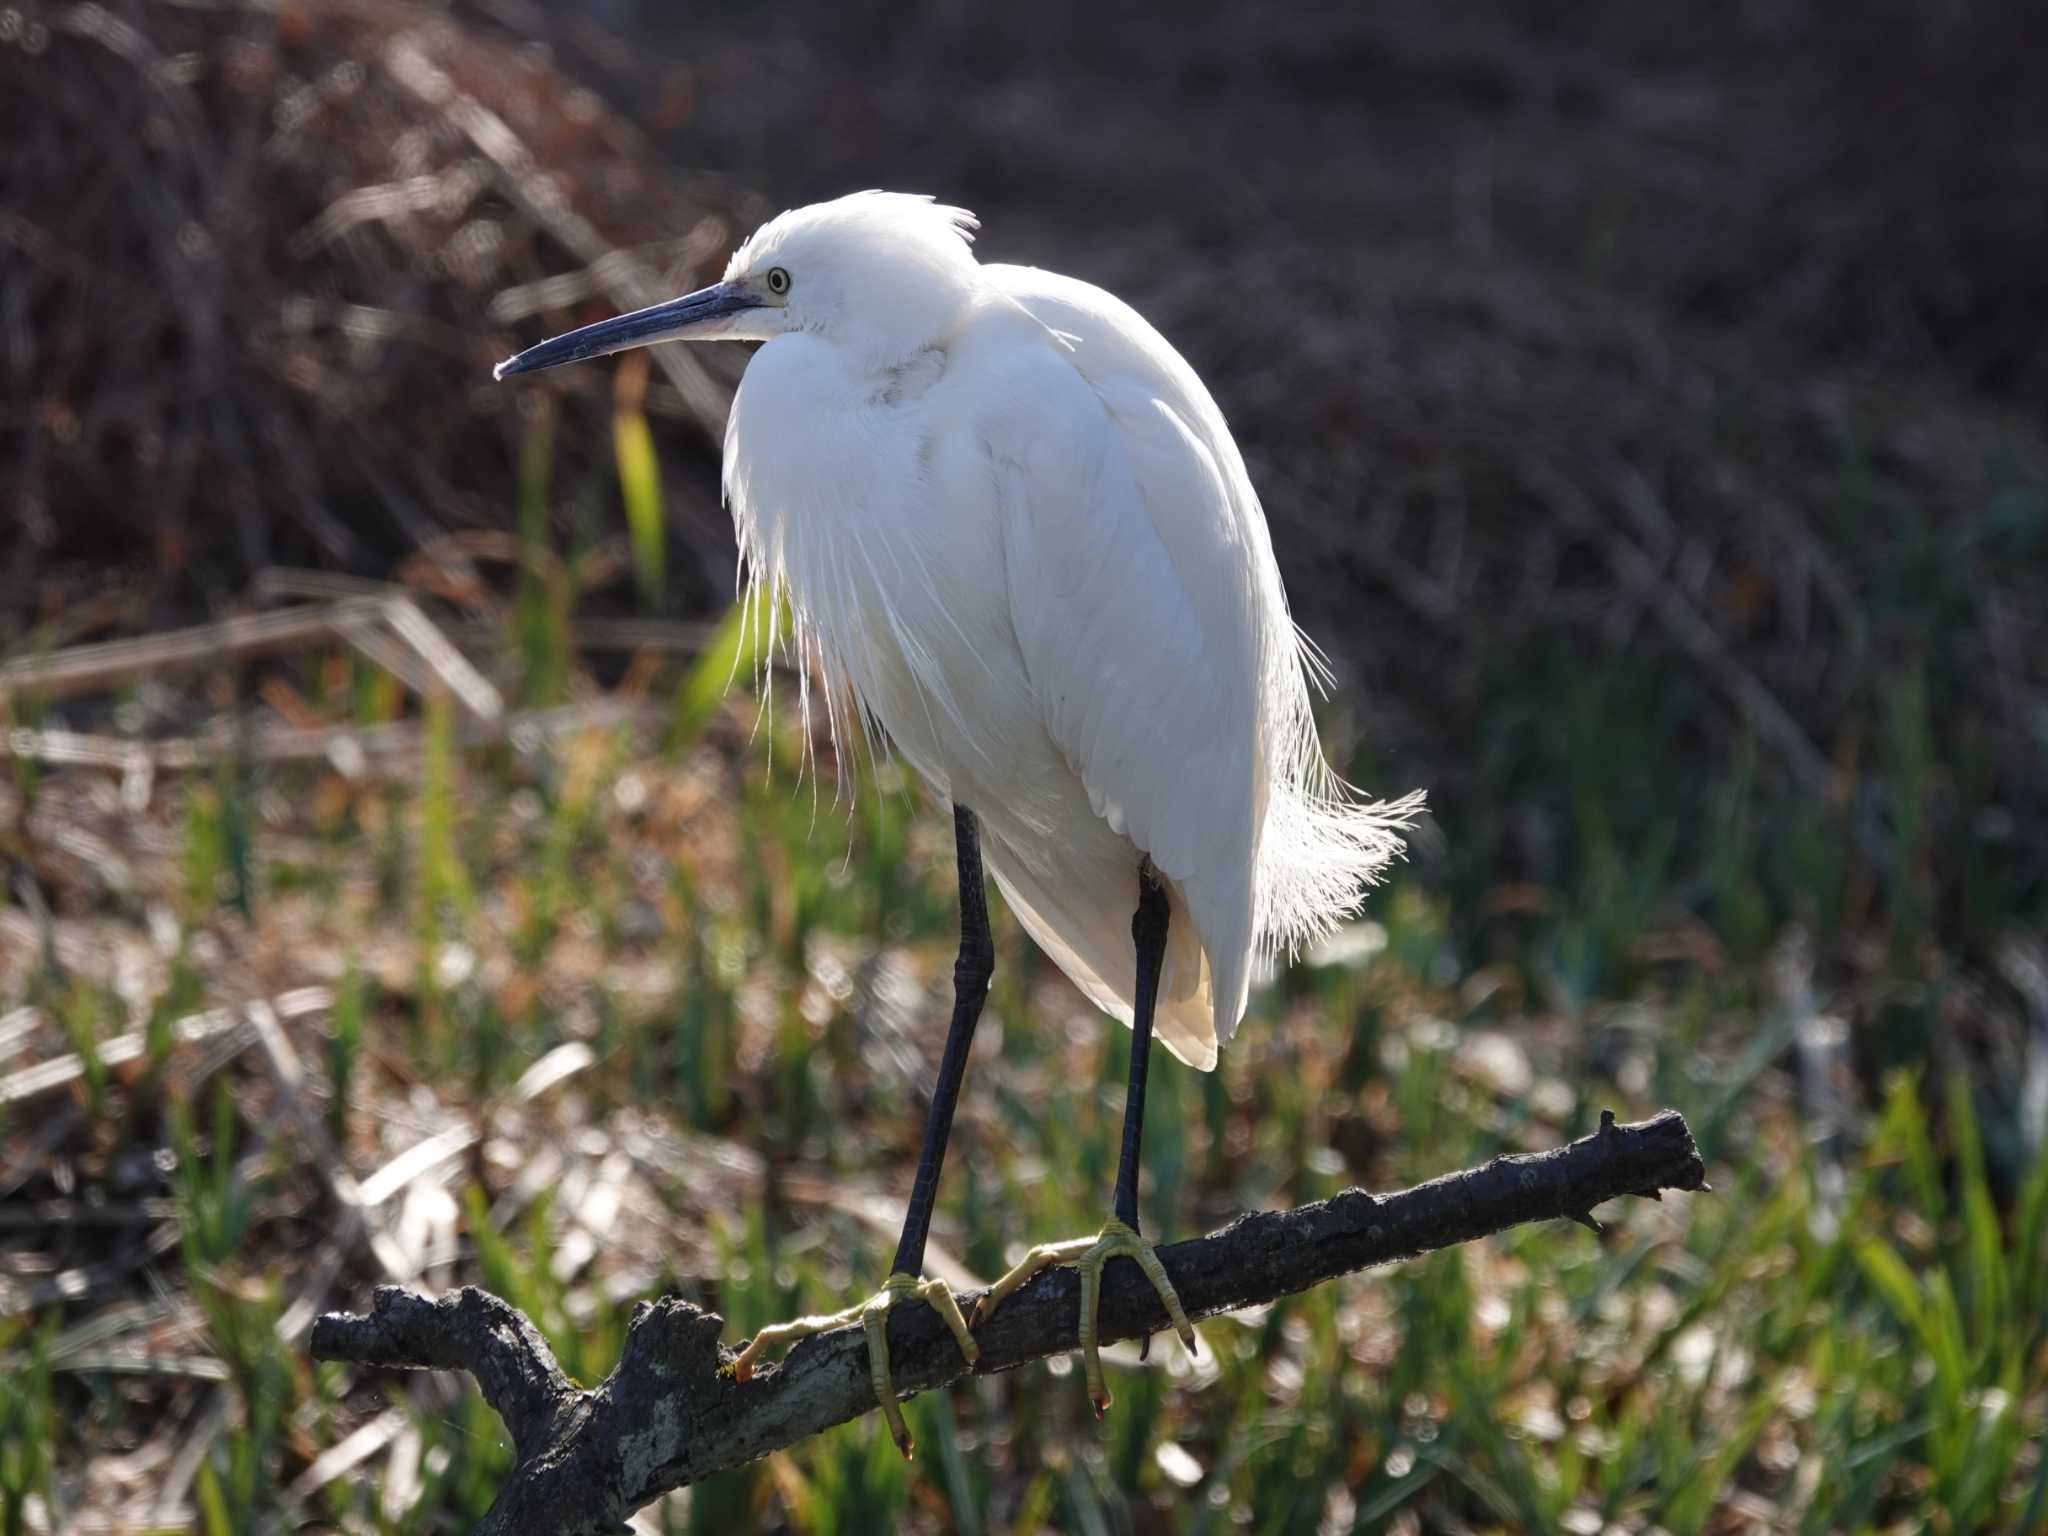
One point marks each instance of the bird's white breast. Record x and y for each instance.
(835, 483)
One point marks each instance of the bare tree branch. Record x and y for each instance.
(667, 1415)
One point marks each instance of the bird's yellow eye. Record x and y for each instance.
(778, 281)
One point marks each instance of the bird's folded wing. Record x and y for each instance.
(1136, 612)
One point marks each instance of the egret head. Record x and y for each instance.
(882, 275)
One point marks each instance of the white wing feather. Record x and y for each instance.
(1155, 629)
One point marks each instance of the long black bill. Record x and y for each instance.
(693, 315)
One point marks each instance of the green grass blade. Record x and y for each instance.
(736, 649)
(640, 489)
(1985, 1272)
(2029, 1226)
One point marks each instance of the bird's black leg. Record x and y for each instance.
(1119, 1236)
(1148, 934)
(972, 969)
(971, 973)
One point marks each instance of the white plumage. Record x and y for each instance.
(1011, 524)
(1015, 532)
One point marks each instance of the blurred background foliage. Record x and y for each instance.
(1647, 404)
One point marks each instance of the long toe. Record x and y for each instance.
(874, 1318)
(1044, 1256)
(1148, 1260)
(1118, 1240)
(1090, 1264)
(875, 1323)
(778, 1335)
(940, 1295)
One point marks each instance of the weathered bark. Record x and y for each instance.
(667, 1415)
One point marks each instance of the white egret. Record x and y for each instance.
(1016, 536)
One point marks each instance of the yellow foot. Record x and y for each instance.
(1088, 1255)
(873, 1316)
